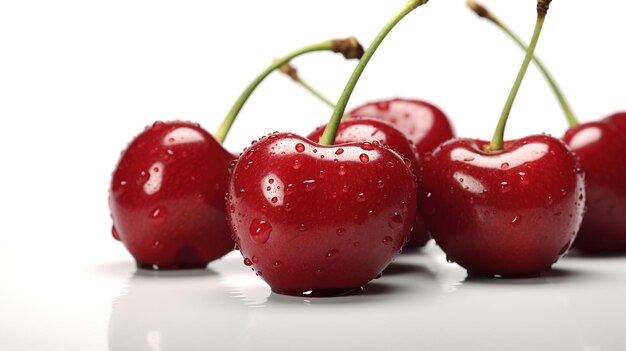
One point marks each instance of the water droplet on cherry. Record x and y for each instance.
(299, 147)
(387, 240)
(260, 230)
(364, 158)
(158, 216)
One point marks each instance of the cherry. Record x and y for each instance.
(603, 228)
(324, 218)
(167, 197)
(167, 191)
(319, 219)
(364, 129)
(504, 208)
(423, 123)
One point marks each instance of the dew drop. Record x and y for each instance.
(123, 183)
(289, 189)
(157, 216)
(271, 181)
(517, 219)
(158, 125)
(302, 227)
(297, 164)
(331, 253)
(255, 259)
(115, 234)
(339, 151)
(396, 220)
(247, 261)
(309, 185)
(505, 165)
(345, 189)
(383, 105)
(361, 197)
(364, 158)
(380, 184)
(563, 192)
(299, 147)
(274, 200)
(260, 230)
(342, 170)
(367, 146)
(143, 178)
(387, 240)
(341, 231)
(505, 187)
(277, 264)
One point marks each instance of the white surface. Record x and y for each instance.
(78, 79)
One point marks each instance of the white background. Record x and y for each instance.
(78, 79)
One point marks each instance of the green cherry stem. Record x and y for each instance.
(349, 48)
(497, 143)
(292, 73)
(328, 138)
(483, 12)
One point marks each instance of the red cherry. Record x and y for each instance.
(167, 197)
(601, 149)
(513, 212)
(423, 123)
(618, 120)
(364, 129)
(313, 219)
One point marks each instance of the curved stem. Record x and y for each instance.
(328, 138)
(222, 131)
(292, 73)
(497, 143)
(567, 110)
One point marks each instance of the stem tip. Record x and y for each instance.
(542, 7)
(350, 48)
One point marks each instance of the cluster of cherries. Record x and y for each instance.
(325, 214)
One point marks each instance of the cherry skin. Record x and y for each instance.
(618, 120)
(601, 148)
(423, 123)
(362, 129)
(167, 197)
(509, 213)
(319, 220)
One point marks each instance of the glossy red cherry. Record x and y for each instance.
(601, 148)
(314, 219)
(618, 120)
(364, 129)
(423, 123)
(167, 197)
(510, 213)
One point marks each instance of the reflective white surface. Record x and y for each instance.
(420, 302)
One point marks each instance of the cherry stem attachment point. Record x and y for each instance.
(497, 142)
(483, 12)
(292, 73)
(328, 138)
(349, 48)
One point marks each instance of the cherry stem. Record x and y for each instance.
(328, 138)
(292, 73)
(483, 12)
(497, 143)
(349, 48)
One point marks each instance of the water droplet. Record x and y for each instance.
(549, 201)
(123, 183)
(345, 189)
(367, 146)
(247, 261)
(331, 253)
(157, 216)
(171, 140)
(259, 274)
(268, 188)
(297, 164)
(309, 185)
(299, 147)
(274, 200)
(339, 151)
(341, 231)
(383, 105)
(260, 230)
(396, 220)
(505, 187)
(505, 165)
(468, 159)
(580, 197)
(115, 234)
(558, 214)
(255, 259)
(321, 174)
(563, 192)
(232, 164)
(342, 170)
(387, 240)
(289, 189)
(302, 227)
(380, 184)
(271, 181)
(143, 178)
(517, 219)
(158, 125)
(449, 259)
(364, 158)
(360, 197)
(277, 264)
(319, 271)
